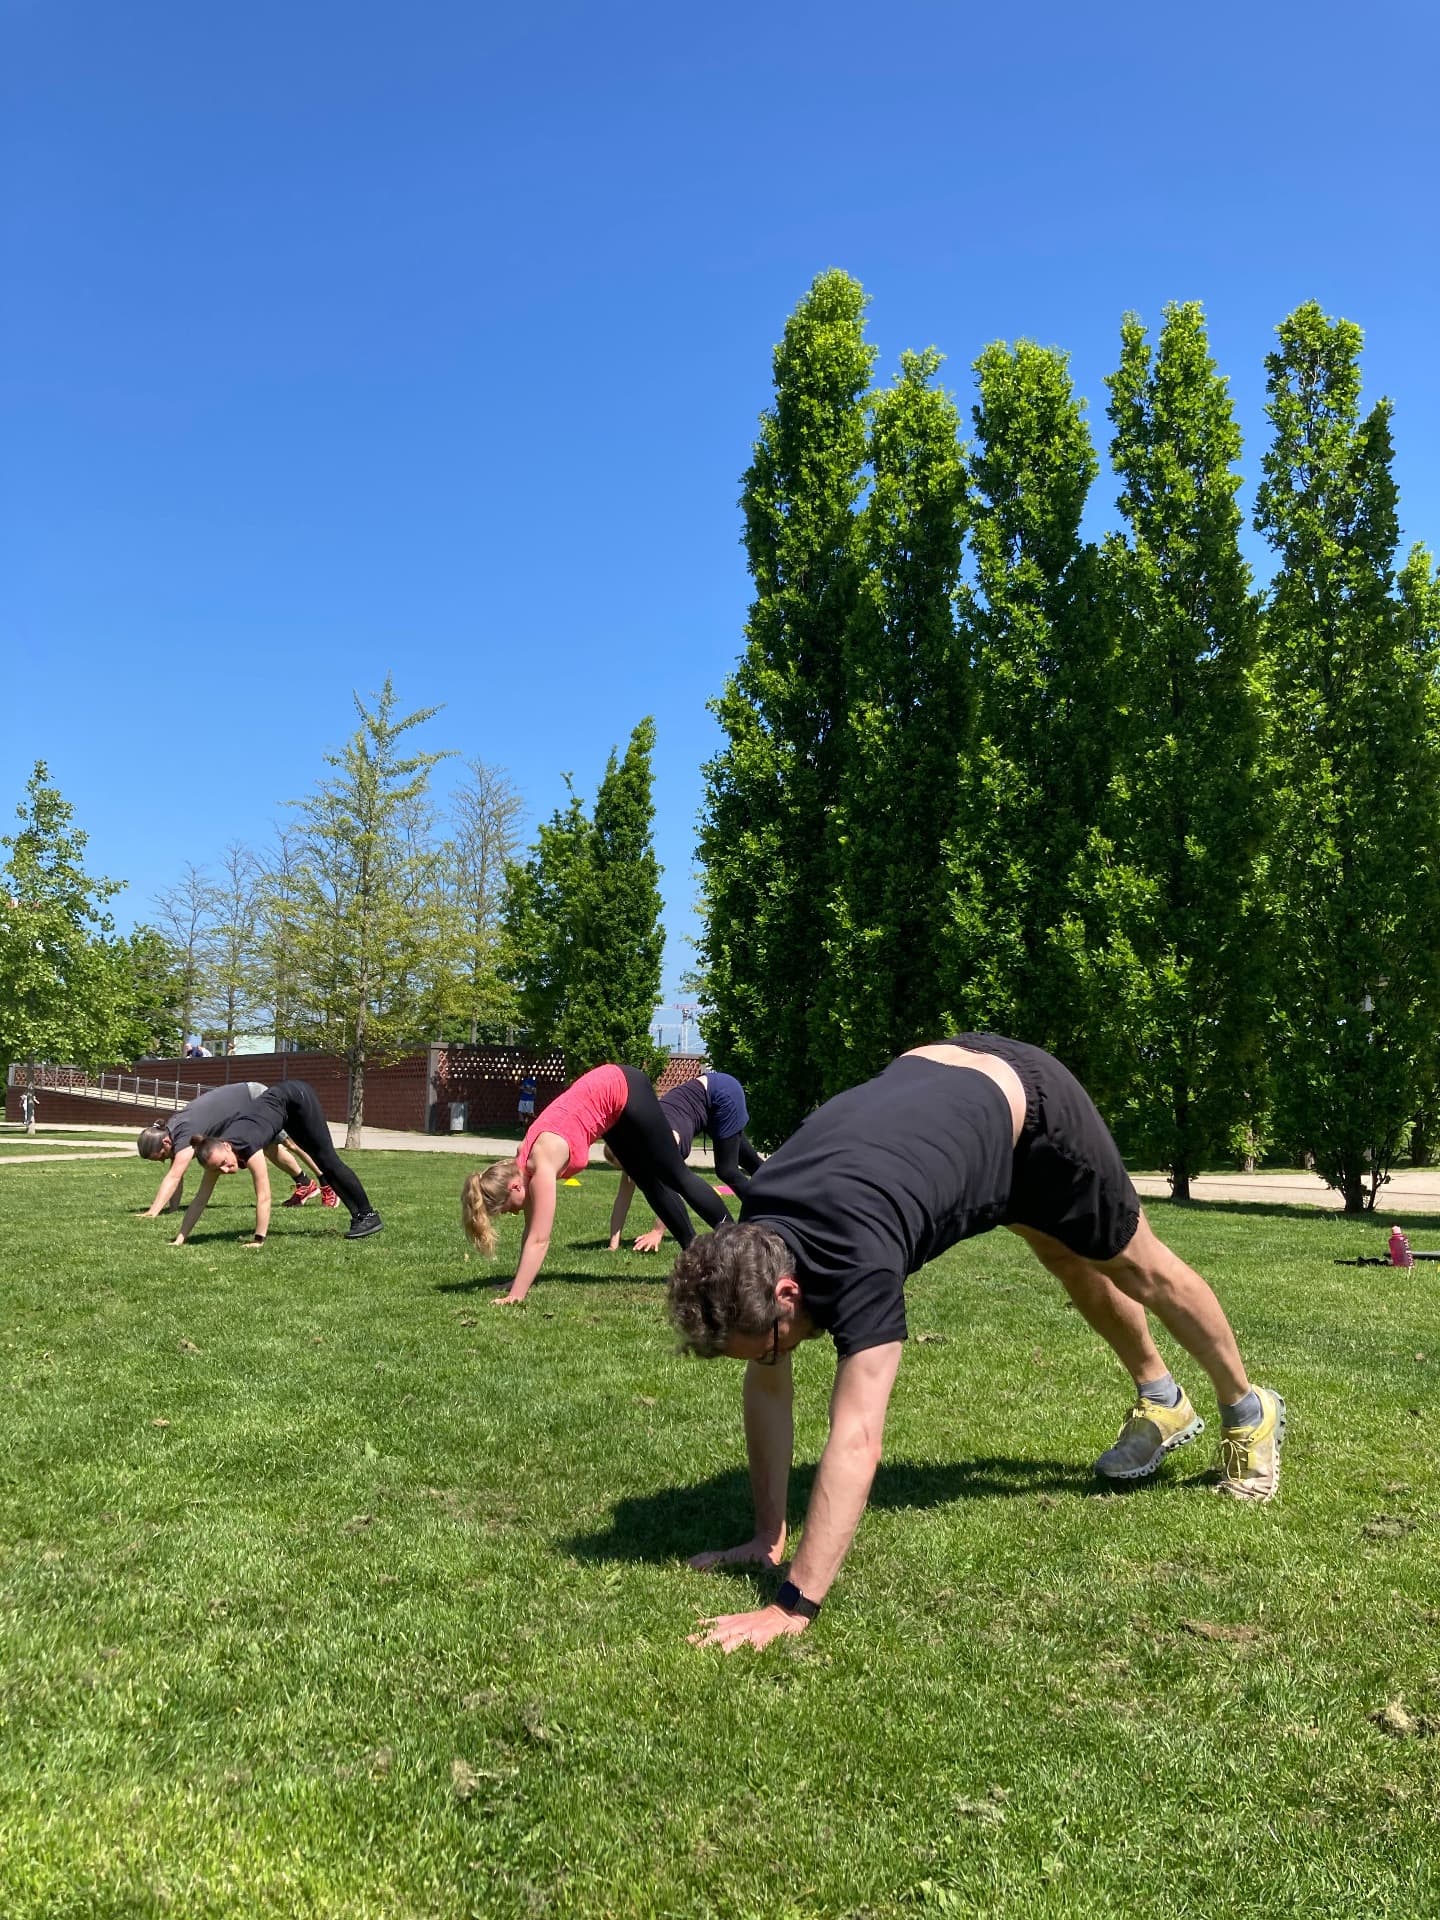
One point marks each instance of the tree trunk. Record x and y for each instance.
(1354, 1189)
(1179, 1183)
(355, 1118)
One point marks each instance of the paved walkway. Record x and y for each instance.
(1408, 1190)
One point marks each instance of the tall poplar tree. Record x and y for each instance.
(1175, 955)
(1042, 732)
(582, 921)
(766, 840)
(1355, 766)
(904, 736)
(620, 944)
(539, 918)
(357, 949)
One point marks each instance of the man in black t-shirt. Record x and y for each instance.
(950, 1141)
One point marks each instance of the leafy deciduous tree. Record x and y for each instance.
(61, 998)
(357, 947)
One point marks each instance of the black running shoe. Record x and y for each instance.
(363, 1225)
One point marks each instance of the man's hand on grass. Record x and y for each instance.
(178, 1241)
(650, 1242)
(750, 1553)
(614, 1243)
(730, 1631)
(507, 1300)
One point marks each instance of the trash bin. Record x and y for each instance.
(457, 1116)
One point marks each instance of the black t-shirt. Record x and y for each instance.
(687, 1111)
(260, 1123)
(879, 1181)
(212, 1112)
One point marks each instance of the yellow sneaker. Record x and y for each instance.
(1149, 1433)
(1249, 1462)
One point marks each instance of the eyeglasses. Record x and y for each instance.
(772, 1357)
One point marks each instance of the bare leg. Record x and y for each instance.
(1156, 1280)
(1119, 1320)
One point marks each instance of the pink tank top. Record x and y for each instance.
(580, 1115)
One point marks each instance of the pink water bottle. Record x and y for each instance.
(1400, 1254)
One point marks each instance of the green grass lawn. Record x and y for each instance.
(329, 1589)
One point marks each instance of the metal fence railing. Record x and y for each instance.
(168, 1094)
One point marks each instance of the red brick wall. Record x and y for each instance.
(74, 1107)
(487, 1079)
(395, 1096)
(679, 1068)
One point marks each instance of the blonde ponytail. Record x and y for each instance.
(481, 1198)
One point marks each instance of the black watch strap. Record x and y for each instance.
(793, 1601)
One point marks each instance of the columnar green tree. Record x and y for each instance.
(582, 920)
(357, 948)
(61, 997)
(1175, 951)
(1042, 724)
(1355, 766)
(620, 944)
(904, 735)
(766, 838)
(539, 918)
(1419, 588)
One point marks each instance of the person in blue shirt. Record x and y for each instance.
(712, 1103)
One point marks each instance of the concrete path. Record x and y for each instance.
(1408, 1190)
(40, 1159)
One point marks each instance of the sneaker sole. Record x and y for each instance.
(1181, 1439)
(1230, 1490)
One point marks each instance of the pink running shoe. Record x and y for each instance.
(329, 1197)
(304, 1190)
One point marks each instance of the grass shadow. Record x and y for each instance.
(649, 1271)
(678, 1521)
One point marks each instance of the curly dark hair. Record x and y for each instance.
(724, 1283)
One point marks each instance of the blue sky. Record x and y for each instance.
(340, 340)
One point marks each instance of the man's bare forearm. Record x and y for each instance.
(770, 1443)
(847, 1467)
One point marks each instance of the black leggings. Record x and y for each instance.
(736, 1160)
(642, 1142)
(305, 1124)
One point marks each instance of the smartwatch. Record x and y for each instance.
(792, 1600)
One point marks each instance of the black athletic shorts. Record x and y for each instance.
(1069, 1180)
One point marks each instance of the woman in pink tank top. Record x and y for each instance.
(614, 1104)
